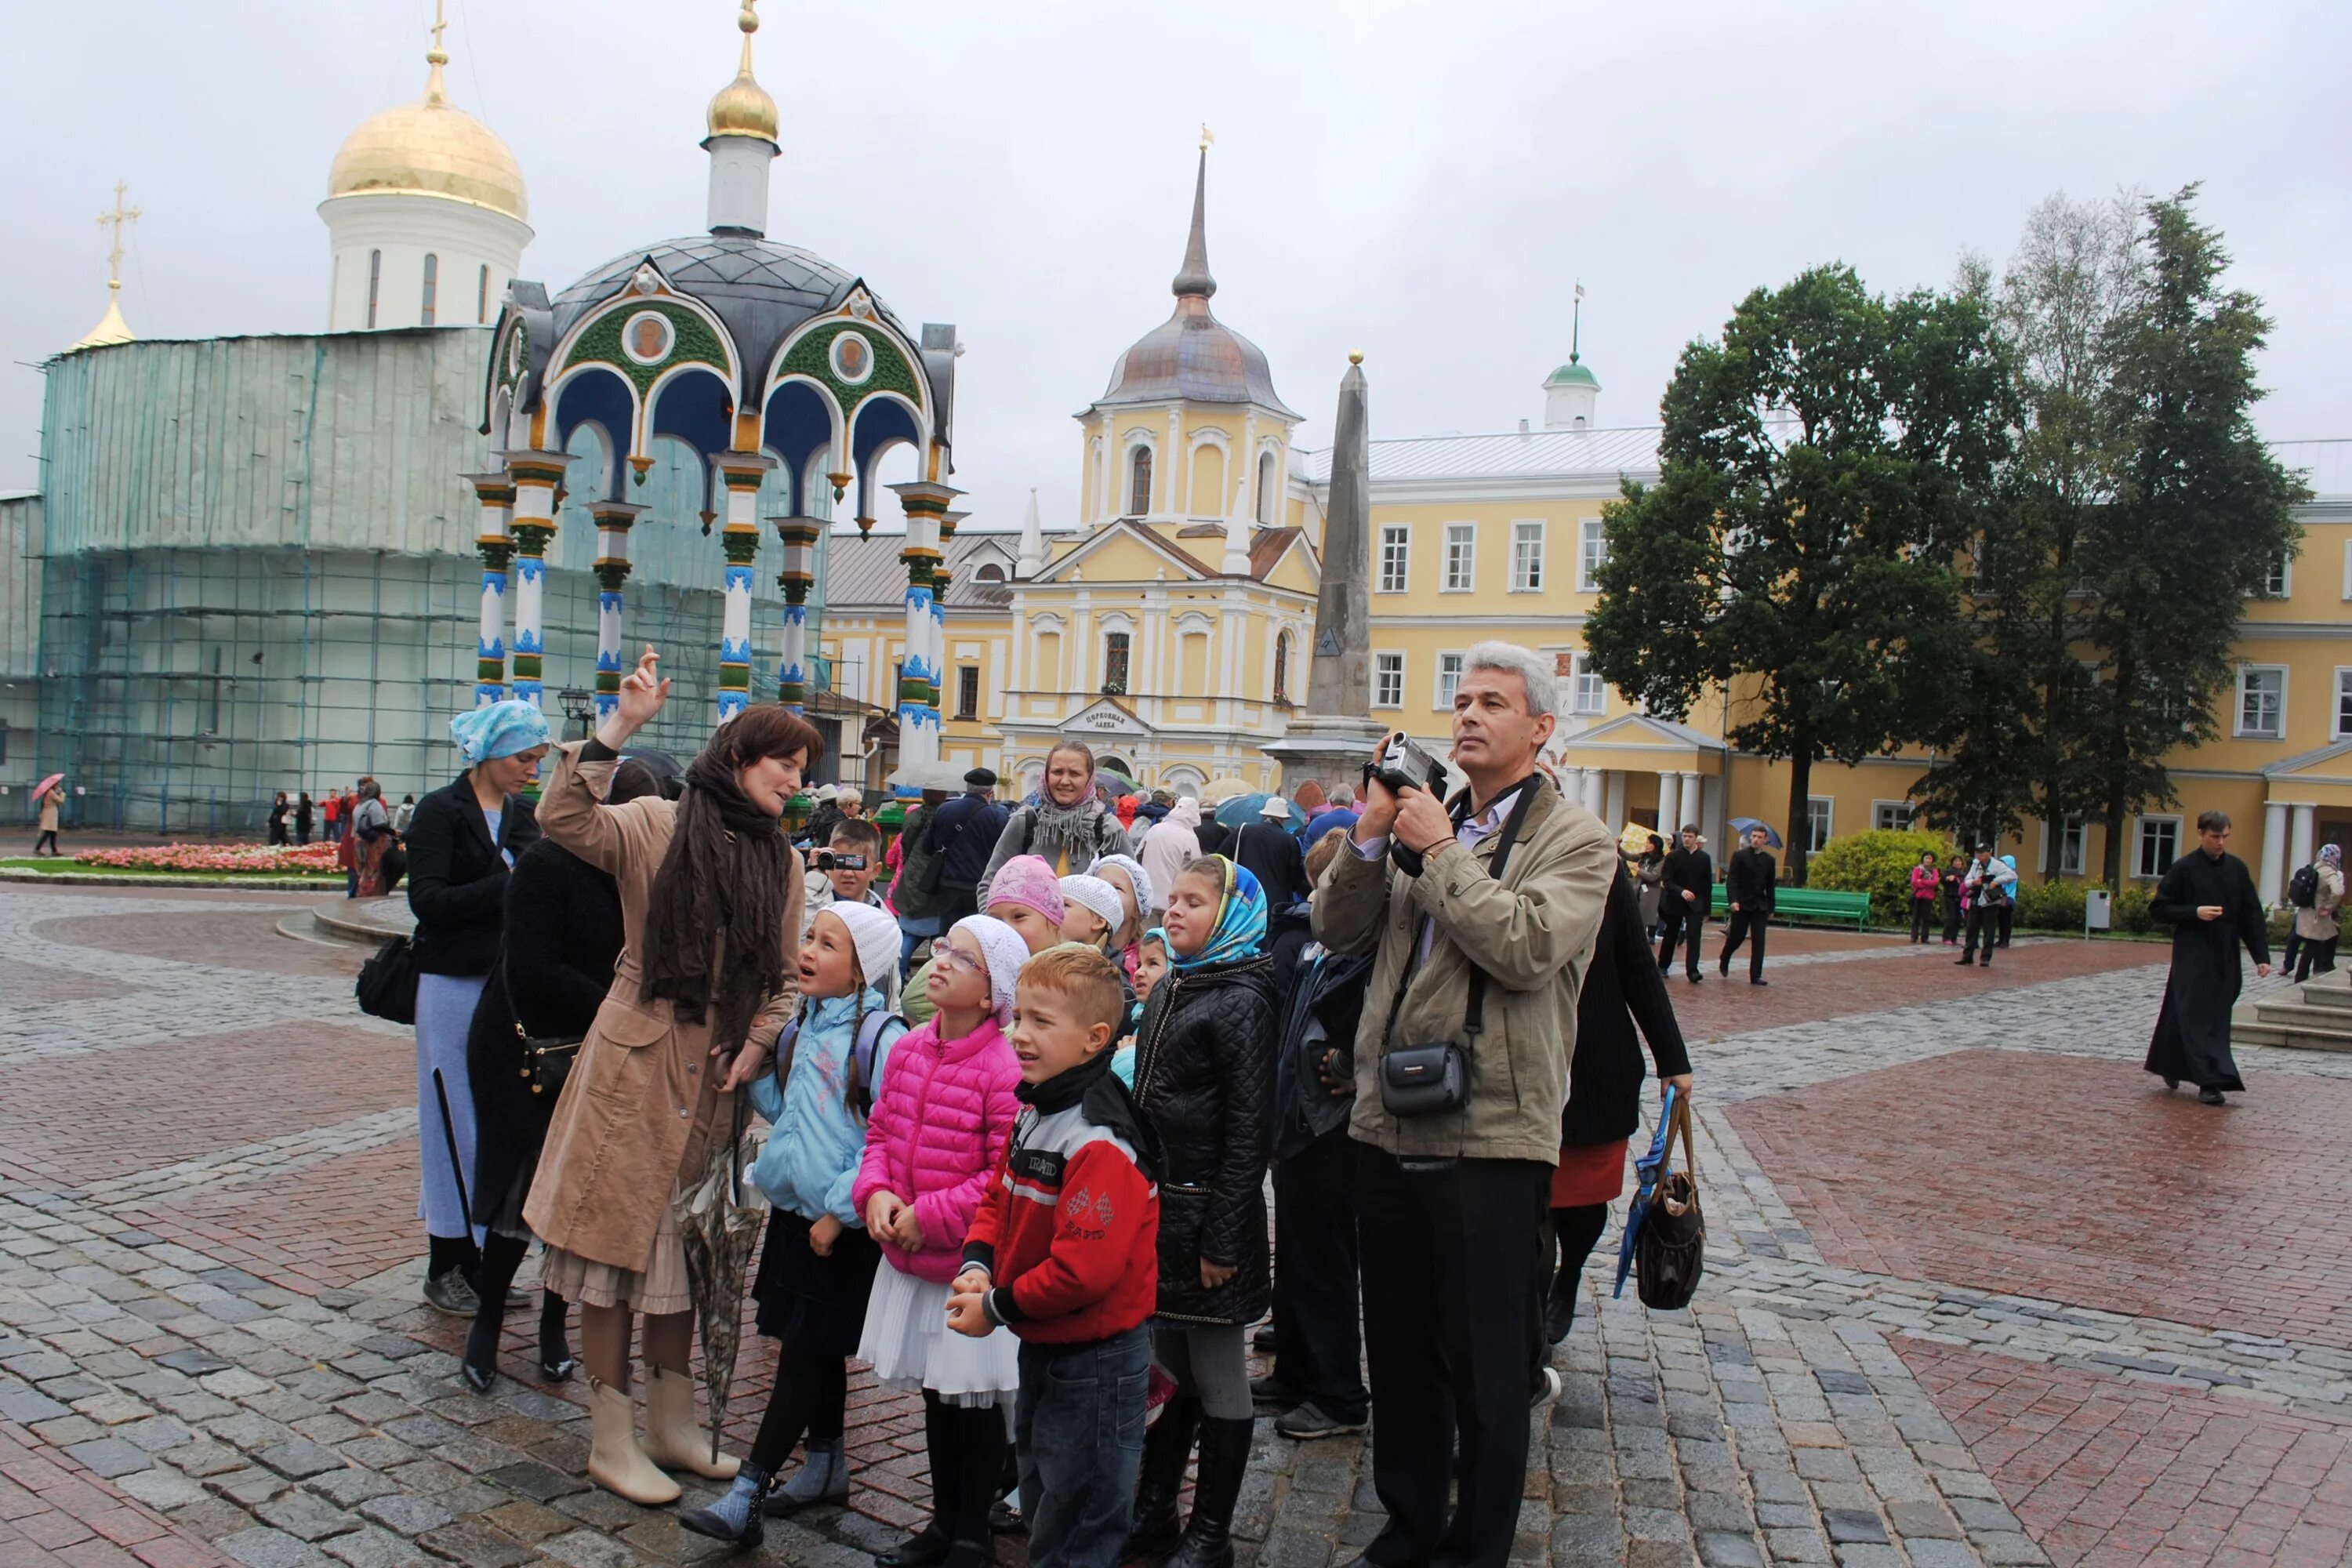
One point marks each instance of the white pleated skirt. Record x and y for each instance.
(910, 1346)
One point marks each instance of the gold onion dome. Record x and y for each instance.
(430, 148)
(743, 107)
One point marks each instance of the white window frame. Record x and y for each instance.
(1587, 692)
(1591, 550)
(1879, 808)
(2282, 573)
(1524, 530)
(1441, 698)
(1387, 679)
(2140, 827)
(1827, 819)
(1464, 537)
(2237, 710)
(1399, 535)
(2076, 828)
(2339, 728)
(2347, 569)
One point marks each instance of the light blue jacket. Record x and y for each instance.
(812, 1157)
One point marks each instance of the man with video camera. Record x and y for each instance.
(1482, 917)
(843, 872)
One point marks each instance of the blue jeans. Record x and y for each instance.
(1079, 1428)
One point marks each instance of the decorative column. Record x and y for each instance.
(741, 473)
(2299, 845)
(926, 505)
(537, 476)
(2274, 884)
(614, 520)
(800, 536)
(496, 542)
(948, 520)
(1613, 800)
(1693, 802)
(1670, 787)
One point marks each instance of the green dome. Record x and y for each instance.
(1573, 374)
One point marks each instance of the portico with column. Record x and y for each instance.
(1636, 769)
(537, 476)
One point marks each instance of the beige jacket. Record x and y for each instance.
(642, 1104)
(50, 812)
(1533, 933)
(2317, 923)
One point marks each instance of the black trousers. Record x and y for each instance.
(1320, 1350)
(1454, 1281)
(1984, 924)
(2004, 914)
(1951, 920)
(1748, 926)
(2316, 954)
(48, 836)
(1923, 916)
(2293, 946)
(1683, 921)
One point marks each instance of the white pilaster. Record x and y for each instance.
(2273, 883)
(2299, 835)
(1670, 791)
(1613, 799)
(1691, 801)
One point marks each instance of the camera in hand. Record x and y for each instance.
(830, 860)
(1406, 766)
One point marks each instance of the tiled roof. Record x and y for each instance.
(1536, 455)
(866, 574)
(1267, 548)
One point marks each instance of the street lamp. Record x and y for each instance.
(577, 709)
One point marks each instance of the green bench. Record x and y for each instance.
(1815, 904)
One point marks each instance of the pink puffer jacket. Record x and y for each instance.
(941, 1122)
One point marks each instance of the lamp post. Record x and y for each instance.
(579, 709)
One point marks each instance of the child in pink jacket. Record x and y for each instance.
(941, 1122)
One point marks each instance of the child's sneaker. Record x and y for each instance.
(1306, 1422)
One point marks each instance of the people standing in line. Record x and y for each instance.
(963, 834)
(1989, 886)
(818, 1262)
(465, 839)
(561, 935)
(1649, 882)
(1076, 1294)
(942, 1120)
(916, 892)
(332, 811)
(1685, 895)
(45, 843)
(304, 813)
(1749, 884)
(404, 814)
(2315, 923)
(1953, 881)
(708, 978)
(277, 810)
(1269, 851)
(1925, 879)
(1069, 827)
(1204, 1081)
(1493, 965)
(1622, 990)
(371, 841)
(1317, 1386)
(1172, 846)
(2209, 900)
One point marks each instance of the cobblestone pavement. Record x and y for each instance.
(1977, 1291)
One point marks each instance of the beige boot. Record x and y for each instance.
(673, 1440)
(615, 1460)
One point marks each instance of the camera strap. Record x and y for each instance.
(1474, 1015)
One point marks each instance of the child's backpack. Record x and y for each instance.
(2303, 888)
(861, 1059)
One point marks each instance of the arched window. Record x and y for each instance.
(376, 280)
(1139, 489)
(991, 572)
(1282, 667)
(1115, 651)
(1265, 489)
(432, 286)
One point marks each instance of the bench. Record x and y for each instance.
(1815, 904)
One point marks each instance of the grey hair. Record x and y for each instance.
(1508, 658)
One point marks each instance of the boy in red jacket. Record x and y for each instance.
(1065, 1252)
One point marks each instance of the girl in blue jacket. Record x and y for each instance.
(816, 1265)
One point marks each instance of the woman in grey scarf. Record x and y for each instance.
(1069, 827)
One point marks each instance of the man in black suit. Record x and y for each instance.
(1747, 889)
(1684, 901)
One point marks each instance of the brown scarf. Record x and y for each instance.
(718, 902)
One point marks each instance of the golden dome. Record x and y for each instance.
(430, 148)
(743, 107)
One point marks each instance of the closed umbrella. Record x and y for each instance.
(1743, 825)
(718, 1229)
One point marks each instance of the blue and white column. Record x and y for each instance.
(797, 579)
(740, 473)
(537, 477)
(614, 520)
(926, 504)
(496, 542)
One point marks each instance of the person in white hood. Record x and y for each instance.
(1171, 845)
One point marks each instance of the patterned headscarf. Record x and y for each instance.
(2331, 854)
(1240, 931)
(499, 729)
(1002, 946)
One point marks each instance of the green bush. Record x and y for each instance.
(2050, 905)
(1878, 863)
(2130, 910)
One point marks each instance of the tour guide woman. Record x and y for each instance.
(710, 909)
(461, 844)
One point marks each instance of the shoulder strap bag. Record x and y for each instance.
(1670, 1253)
(386, 987)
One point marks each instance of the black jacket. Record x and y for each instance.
(562, 937)
(1623, 987)
(1748, 880)
(1204, 1077)
(1272, 854)
(1693, 869)
(457, 877)
(965, 832)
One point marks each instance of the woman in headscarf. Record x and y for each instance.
(1069, 825)
(2317, 925)
(462, 843)
(372, 836)
(1205, 1078)
(711, 914)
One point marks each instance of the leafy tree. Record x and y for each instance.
(1820, 467)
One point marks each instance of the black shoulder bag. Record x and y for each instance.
(386, 987)
(1434, 1079)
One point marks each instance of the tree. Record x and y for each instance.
(1820, 467)
(2201, 512)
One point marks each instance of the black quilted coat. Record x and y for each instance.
(1204, 1076)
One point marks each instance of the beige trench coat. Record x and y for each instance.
(2317, 923)
(642, 1104)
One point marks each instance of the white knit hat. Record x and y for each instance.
(876, 936)
(1137, 877)
(1097, 897)
(1005, 952)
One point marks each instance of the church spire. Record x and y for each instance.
(111, 328)
(1032, 545)
(1193, 280)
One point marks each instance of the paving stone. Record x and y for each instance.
(538, 1482)
(586, 1548)
(1941, 1553)
(311, 1518)
(372, 1546)
(110, 1456)
(480, 1546)
(247, 1487)
(1852, 1526)
(1722, 1549)
(161, 1486)
(350, 1486)
(405, 1513)
(266, 1548)
(300, 1459)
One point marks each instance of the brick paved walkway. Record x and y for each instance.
(1976, 1293)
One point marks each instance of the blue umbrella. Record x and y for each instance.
(1646, 1176)
(1744, 825)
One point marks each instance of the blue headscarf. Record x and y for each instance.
(500, 730)
(1240, 931)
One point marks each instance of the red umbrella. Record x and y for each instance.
(47, 784)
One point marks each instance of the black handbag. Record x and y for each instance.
(546, 1063)
(386, 987)
(1670, 1254)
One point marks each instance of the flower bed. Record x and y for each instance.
(248, 859)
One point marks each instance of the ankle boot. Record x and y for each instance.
(736, 1517)
(615, 1460)
(1167, 1448)
(673, 1440)
(823, 1477)
(1224, 1458)
(555, 1359)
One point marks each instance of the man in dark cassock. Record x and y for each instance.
(2209, 901)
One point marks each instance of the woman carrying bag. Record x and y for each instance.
(710, 897)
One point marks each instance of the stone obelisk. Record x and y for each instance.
(1331, 739)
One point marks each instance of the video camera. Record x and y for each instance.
(832, 860)
(1406, 766)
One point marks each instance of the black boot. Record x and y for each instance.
(1224, 1459)
(1167, 1447)
(928, 1545)
(736, 1517)
(1559, 1306)
(494, 1271)
(555, 1359)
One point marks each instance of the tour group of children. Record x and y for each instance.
(1041, 1201)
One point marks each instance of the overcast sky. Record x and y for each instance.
(1424, 183)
